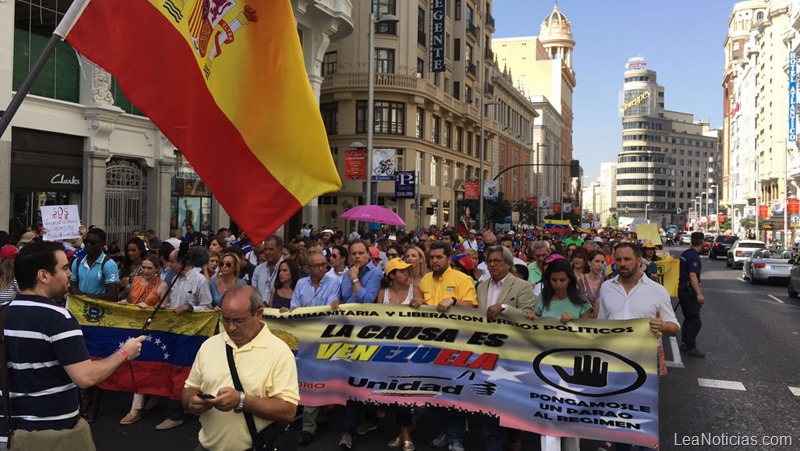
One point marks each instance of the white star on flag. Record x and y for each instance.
(163, 347)
(166, 356)
(149, 338)
(120, 344)
(501, 374)
(158, 341)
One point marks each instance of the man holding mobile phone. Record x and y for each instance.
(265, 364)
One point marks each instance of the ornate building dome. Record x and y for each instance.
(556, 26)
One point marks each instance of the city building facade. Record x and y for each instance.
(542, 67)
(427, 108)
(663, 166)
(78, 140)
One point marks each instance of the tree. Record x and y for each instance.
(527, 215)
(499, 209)
(748, 224)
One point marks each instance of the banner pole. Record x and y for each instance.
(63, 28)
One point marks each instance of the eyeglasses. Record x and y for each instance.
(228, 264)
(236, 321)
(390, 256)
(91, 242)
(493, 261)
(320, 265)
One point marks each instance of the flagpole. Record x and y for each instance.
(73, 13)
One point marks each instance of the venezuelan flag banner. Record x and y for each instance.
(225, 81)
(557, 226)
(593, 379)
(167, 354)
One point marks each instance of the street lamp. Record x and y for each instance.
(482, 153)
(373, 20)
(646, 208)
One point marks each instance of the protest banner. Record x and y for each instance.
(592, 379)
(61, 222)
(648, 232)
(167, 354)
(667, 272)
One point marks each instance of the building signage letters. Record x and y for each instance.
(792, 97)
(437, 35)
(639, 99)
(60, 179)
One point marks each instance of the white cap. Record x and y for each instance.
(327, 231)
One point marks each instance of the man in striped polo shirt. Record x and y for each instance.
(47, 357)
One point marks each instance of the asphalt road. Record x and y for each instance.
(743, 388)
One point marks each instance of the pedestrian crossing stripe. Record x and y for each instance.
(795, 390)
(727, 385)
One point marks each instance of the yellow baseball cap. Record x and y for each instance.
(395, 263)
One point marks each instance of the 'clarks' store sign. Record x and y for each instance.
(37, 178)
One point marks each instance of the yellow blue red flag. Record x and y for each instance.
(225, 81)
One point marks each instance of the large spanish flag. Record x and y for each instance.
(167, 354)
(225, 81)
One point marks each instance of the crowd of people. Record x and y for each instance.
(588, 274)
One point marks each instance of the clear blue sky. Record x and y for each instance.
(680, 39)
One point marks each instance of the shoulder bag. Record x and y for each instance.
(277, 436)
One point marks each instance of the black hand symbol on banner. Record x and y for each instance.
(486, 388)
(588, 371)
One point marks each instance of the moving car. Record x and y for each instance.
(686, 238)
(794, 277)
(740, 251)
(764, 265)
(720, 246)
(707, 240)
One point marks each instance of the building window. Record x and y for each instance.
(389, 117)
(329, 63)
(459, 133)
(421, 38)
(34, 23)
(468, 57)
(420, 126)
(384, 61)
(330, 117)
(434, 171)
(458, 9)
(435, 131)
(448, 134)
(470, 15)
(381, 8)
(457, 89)
(457, 49)
(421, 68)
(468, 94)
(470, 140)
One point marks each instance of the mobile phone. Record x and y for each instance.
(205, 396)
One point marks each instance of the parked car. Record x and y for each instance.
(707, 240)
(740, 251)
(764, 265)
(686, 238)
(720, 246)
(794, 277)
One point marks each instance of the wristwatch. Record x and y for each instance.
(240, 407)
(190, 307)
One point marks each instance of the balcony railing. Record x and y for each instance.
(489, 54)
(490, 21)
(472, 29)
(472, 68)
(489, 88)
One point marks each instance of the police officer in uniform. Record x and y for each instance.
(690, 295)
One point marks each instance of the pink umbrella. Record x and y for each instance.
(373, 213)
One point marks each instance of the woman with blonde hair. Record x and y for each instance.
(228, 276)
(419, 266)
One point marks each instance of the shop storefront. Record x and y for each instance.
(46, 169)
(191, 198)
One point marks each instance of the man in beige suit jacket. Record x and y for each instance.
(503, 292)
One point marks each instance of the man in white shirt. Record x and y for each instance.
(265, 274)
(472, 240)
(631, 295)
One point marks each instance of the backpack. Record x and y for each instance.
(106, 259)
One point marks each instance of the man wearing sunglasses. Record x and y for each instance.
(95, 274)
(264, 363)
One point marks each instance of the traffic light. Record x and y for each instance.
(575, 168)
(678, 211)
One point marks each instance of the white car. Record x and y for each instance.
(686, 238)
(740, 252)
